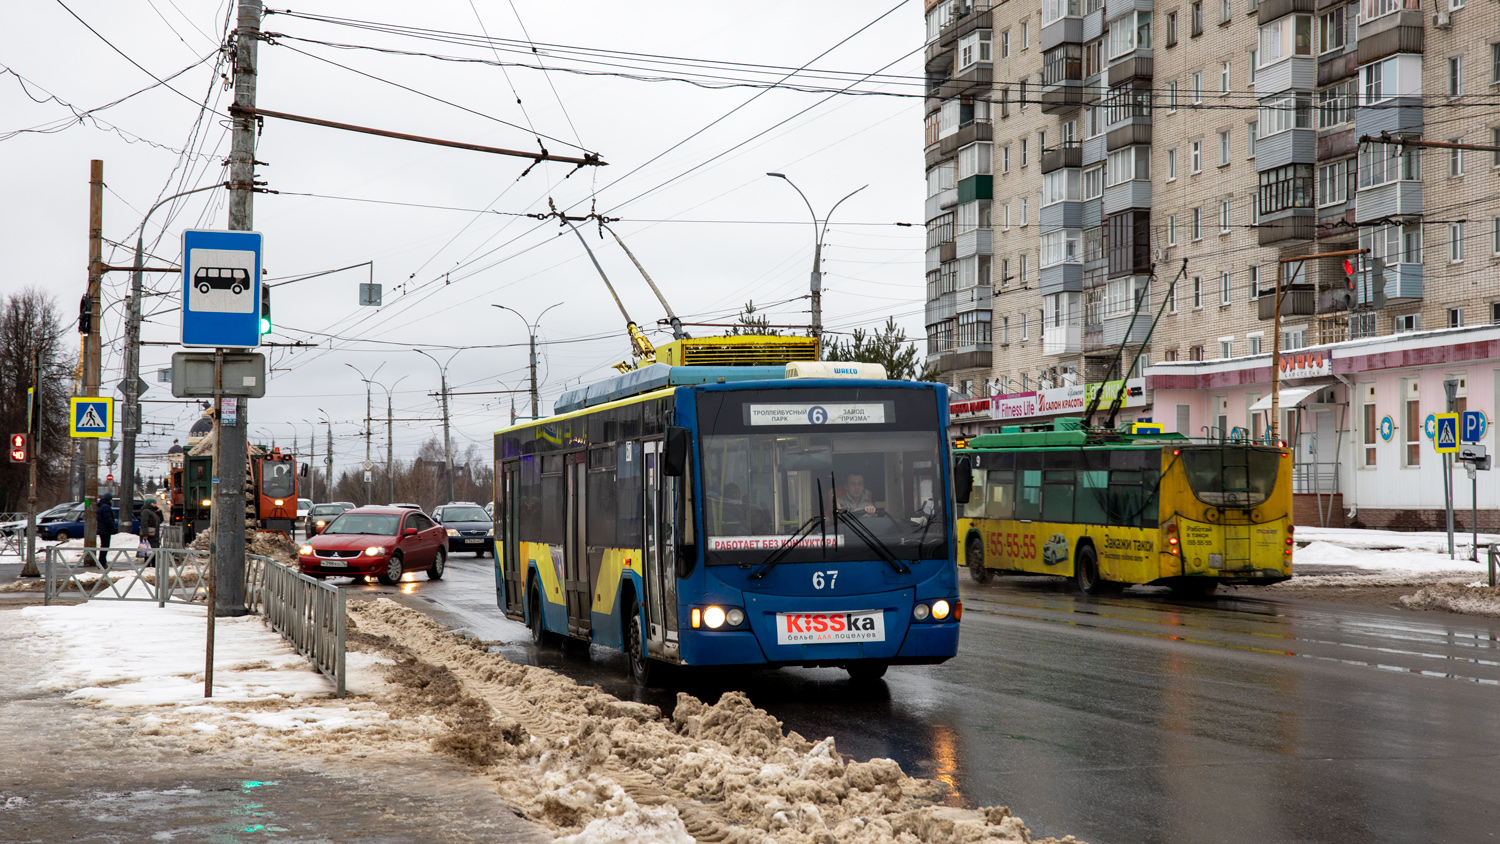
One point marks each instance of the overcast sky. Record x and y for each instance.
(453, 262)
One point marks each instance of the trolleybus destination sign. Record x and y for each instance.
(831, 413)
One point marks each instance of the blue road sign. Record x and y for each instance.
(1474, 425)
(221, 289)
(1446, 441)
(1387, 428)
(92, 417)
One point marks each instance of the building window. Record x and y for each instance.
(1333, 183)
(1197, 224)
(974, 160)
(1171, 302)
(1413, 424)
(1024, 151)
(1455, 242)
(1025, 214)
(1288, 186)
(1456, 159)
(1284, 113)
(1005, 159)
(1254, 282)
(1284, 38)
(1371, 425)
(1250, 138)
(1005, 44)
(1197, 18)
(1064, 246)
(1455, 76)
(1004, 272)
(1123, 165)
(1093, 57)
(1128, 33)
(1495, 236)
(1197, 87)
(1171, 165)
(1225, 288)
(1226, 348)
(1093, 182)
(1224, 218)
(1197, 293)
(1196, 156)
(1224, 77)
(1408, 323)
(1025, 34)
(1254, 342)
(1172, 96)
(1224, 148)
(1335, 104)
(1055, 10)
(1455, 317)
(1172, 230)
(1226, 11)
(1397, 76)
(1250, 72)
(1495, 142)
(1171, 29)
(1021, 264)
(973, 49)
(973, 216)
(1331, 31)
(1380, 164)
(1004, 331)
(1293, 338)
(1025, 335)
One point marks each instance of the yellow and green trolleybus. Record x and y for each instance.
(1110, 509)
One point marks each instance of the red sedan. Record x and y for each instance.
(384, 541)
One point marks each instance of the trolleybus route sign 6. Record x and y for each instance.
(830, 413)
(1446, 440)
(91, 416)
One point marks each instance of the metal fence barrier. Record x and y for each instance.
(306, 612)
(170, 536)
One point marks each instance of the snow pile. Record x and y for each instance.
(265, 543)
(1391, 540)
(1466, 598)
(600, 769)
(139, 658)
(1321, 553)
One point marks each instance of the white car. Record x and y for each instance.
(303, 506)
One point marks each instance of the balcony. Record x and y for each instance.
(1299, 73)
(971, 81)
(1136, 67)
(975, 187)
(964, 23)
(1113, 331)
(1062, 340)
(1391, 33)
(1270, 10)
(1127, 195)
(1296, 300)
(973, 242)
(1059, 157)
(971, 132)
(978, 298)
(1392, 199)
(1062, 78)
(1285, 228)
(1292, 146)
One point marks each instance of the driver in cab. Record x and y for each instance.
(856, 498)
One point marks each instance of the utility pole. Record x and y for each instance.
(91, 347)
(328, 464)
(369, 426)
(390, 452)
(447, 443)
(34, 428)
(229, 465)
(531, 331)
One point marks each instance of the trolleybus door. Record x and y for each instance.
(661, 554)
(509, 558)
(575, 546)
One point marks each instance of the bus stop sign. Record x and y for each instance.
(221, 289)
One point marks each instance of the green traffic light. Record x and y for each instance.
(265, 325)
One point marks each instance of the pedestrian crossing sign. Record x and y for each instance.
(92, 417)
(1445, 439)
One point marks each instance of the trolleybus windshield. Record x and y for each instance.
(1231, 476)
(777, 465)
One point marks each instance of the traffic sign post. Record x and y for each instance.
(1445, 441)
(221, 289)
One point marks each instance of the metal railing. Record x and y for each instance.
(306, 612)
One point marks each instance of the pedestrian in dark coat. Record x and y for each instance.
(150, 522)
(104, 519)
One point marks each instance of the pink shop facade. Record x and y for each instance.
(1357, 415)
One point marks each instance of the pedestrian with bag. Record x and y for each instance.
(150, 528)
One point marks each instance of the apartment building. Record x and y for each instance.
(1171, 154)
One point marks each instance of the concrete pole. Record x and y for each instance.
(128, 420)
(91, 347)
(369, 425)
(534, 402)
(328, 464)
(34, 428)
(229, 502)
(390, 452)
(447, 443)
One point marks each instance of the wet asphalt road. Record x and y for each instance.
(1138, 718)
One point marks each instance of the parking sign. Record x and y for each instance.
(1474, 426)
(221, 289)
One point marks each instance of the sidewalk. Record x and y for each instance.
(107, 738)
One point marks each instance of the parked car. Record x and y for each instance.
(51, 513)
(319, 515)
(469, 529)
(384, 541)
(70, 526)
(303, 506)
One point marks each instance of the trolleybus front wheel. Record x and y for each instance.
(641, 666)
(1086, 572)
(975, 558)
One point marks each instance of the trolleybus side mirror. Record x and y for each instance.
(303, 470)
(963, 480)
(674, 464)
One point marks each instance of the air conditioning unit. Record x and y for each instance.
(1161, 254)
(1442, 20)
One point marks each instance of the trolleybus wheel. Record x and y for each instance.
(1198, 587)
(867, 672)
(540, 635)
(641, 666)
(975, 559)
(392, 574)
(439, 563)
(1086, 572)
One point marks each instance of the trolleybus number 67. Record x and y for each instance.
(818, 579)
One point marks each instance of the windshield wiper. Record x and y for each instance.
(786, 547)
(870, 539)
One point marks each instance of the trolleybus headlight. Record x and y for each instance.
(940, 609)
(697, 618)
(735, 617)
(207, 502)
(452, 532)
(374, 550)
(920, 612)
(713, 617)
(305, 550)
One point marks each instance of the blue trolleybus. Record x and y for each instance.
(783, 514)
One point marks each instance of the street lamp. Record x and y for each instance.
(390, 449)
(367, 465)
(328, 456)
(447, 444)
(531, 330)
(312, 453)
(817, 271)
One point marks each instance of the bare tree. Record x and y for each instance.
(31, 329)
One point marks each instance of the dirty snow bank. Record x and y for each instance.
(1466, 598)
(600, 769)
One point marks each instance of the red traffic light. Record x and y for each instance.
(1348, 267)
(20, 448)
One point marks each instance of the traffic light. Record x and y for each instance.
(85, 315)
(1377, 281)
(1349, 273)
(265, 309)
(20, 448)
